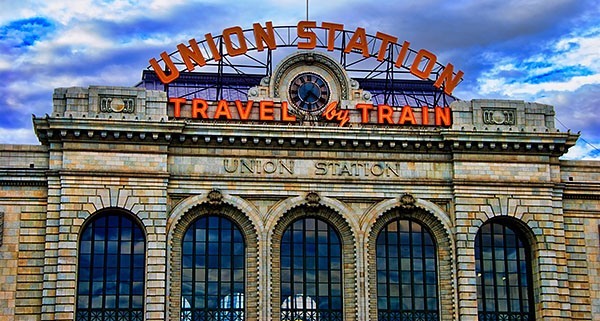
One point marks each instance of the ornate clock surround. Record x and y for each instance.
(310, 62)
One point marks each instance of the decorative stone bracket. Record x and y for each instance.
(407, 201)
(313, 199)
(215, 197)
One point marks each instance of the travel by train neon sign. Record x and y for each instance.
(270, 111)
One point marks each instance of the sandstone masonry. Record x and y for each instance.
(499, 158)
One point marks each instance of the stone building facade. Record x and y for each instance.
(499, 162)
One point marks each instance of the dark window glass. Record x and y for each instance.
(213, 269)
(407, 287)
(311, 272)
(110, 276)
(503, 274)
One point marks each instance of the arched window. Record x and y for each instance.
(213, 270)
(311, 272)
(407, 285)
(503, 273)
(111, 269)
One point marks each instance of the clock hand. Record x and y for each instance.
(315, 91)
(307, 92)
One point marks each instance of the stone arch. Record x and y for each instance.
(284, 206)
(522, 224)
(382, 207)
(437, 222)
(105, 210)
(213, 203)
(215, 197)
(91, 210)
(348, 255)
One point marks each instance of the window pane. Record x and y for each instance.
(407, 282)
(502, 263)
(313, 290)
(214, 269)
(105, 256)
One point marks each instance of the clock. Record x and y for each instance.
(309, 92)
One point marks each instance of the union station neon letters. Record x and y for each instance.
(235, 43)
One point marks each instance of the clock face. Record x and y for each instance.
(309, 92)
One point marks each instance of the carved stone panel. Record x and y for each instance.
(499, 116)
(117, 104)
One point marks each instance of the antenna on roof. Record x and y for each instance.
(306, 10)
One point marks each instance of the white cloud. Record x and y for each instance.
(69, 44)
(12, 10)
(531, 90)
(583, 50)
(5, 64)
(583, 151)
(162, 5)
(65, 12)
(18, 136)
(524, 78)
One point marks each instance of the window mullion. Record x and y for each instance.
(507, 284)
(92, 261)
(104, 273)
(387, 271)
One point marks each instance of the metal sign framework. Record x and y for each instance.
(230, 77)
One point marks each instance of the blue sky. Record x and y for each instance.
(546, 51)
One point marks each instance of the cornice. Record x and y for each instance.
(22, 178)
(114, 130)
(582, 188)
(297, 136)
(104, 173)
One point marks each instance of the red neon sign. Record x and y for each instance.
(420, 64)
(270, 111)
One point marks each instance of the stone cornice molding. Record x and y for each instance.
(23, 183)
(413, 139)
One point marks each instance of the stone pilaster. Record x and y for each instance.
(51, 248)
(466, 229)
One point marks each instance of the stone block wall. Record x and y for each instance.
(109, 103)
(582, 221)
(492, 163)
(83, 195)
(503, 115)
(22, 207)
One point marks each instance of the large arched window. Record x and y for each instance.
(111, 269)
(311, 272)
(407, 285)
(503, 273)
(213, 270)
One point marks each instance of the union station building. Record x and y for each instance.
(337, 180)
